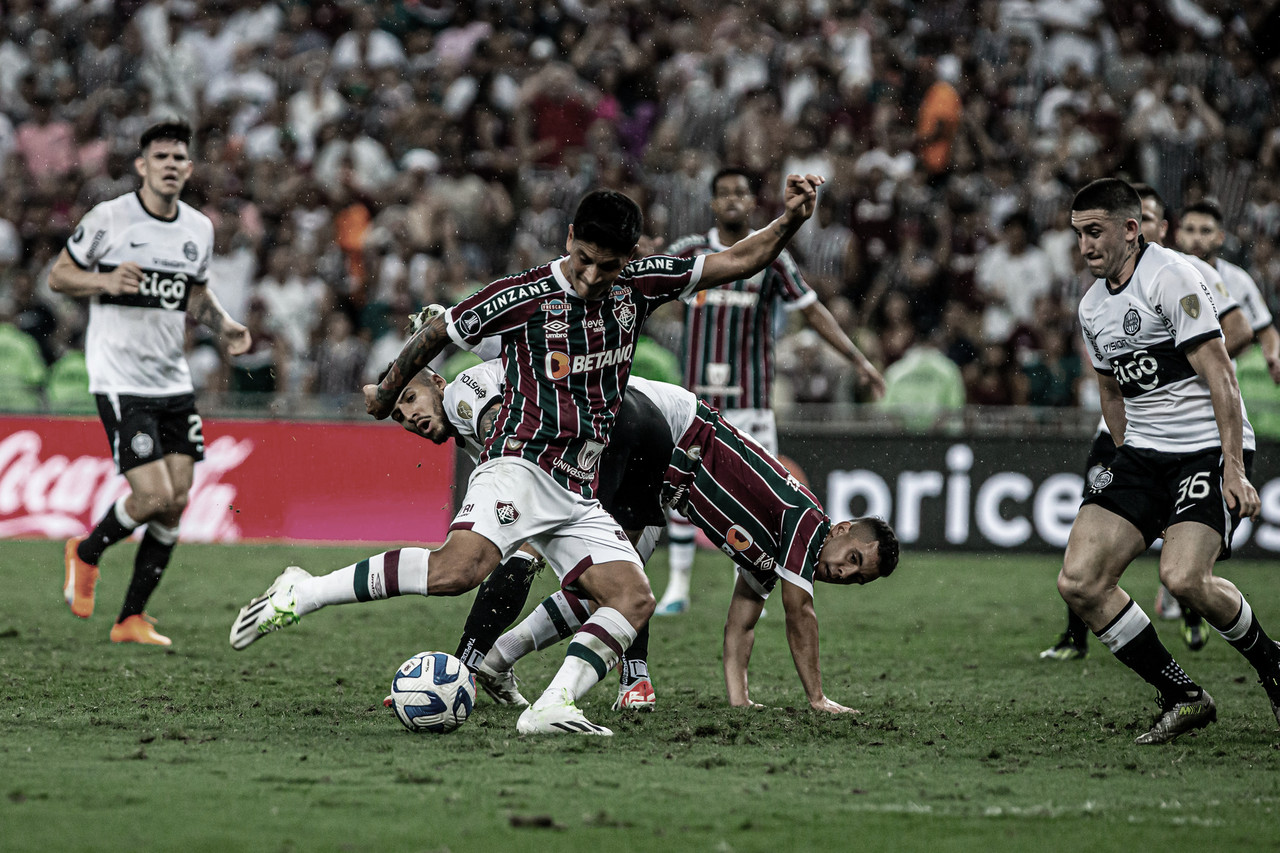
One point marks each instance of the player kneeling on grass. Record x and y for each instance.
(1170, 399)
(773, 528)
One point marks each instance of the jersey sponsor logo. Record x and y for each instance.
(653, 263)
(469, 323)
(189, 251)
(589, 455)
(1139, 368)
(464, 410)
(96, 242)
(1191, 304)
(467, 509)
(556, 329)
(514, 444)
(156, 290)
(728, 298)
(1132, 322)
(506, 512)
(555, 305)
(738, 537)
(558, 365)
(133, 244)
(619, 292)
(142, 445)
(1099, 477)
(471, 382)
(582, 475)
(511, 296)
(694, 452)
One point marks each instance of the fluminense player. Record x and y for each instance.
(568, 331)
(142, 260)
(729, 346)
(773, 528)
(1170, 398)
(1236, 335)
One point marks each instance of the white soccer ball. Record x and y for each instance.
(433, 692)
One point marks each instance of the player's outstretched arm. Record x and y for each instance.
(821, 321)
(1269, 341)
(802, 637)
(203, 307)
(417, 352)
(748, 256)
(1210, 361)
(739, 637)
(66, 276)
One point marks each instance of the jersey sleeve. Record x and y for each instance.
(664, 277)
(1183, 298)
(89, 242)
(468, 397)
(791, 286)
(1099, 363)
(492, 310)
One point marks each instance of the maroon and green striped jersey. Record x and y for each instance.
(749, 506)
(728, 330)
(566, 359)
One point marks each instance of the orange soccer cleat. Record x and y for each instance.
(138, 629)
(80, 582)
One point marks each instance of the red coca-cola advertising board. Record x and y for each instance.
(260, 480)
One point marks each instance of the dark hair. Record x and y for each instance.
(1146, 191)
(609, 219)
(1206, 206)
(885, 538)
(1019, 218)
(1112, 195)
(176, 130)
(753, 183)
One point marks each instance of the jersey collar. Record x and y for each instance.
(176, 210)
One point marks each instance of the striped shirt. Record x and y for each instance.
(728, 330)
(747, 503)
(566, 359)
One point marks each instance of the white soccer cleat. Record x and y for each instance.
(636, 696)
(275, 609)
(501, 685)
(558, 716)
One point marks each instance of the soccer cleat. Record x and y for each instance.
(81, 579)
(1195, 633)
(1271, 684)
(138, 629)
(1067, 648)
(1167, 607)
(636, 696)
(274, 609)
(1178, 718)
(501, 685)
(557, 717)
(674, 607)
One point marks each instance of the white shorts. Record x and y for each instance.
(759, 424)
(511, 502)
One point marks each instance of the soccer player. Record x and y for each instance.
(728, 346)
(142, 259)
(1237, 334)
(772, 527)
(1170, 398)
(568, 331)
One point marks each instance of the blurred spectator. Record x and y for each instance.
(939, 117)
(339, 358)
(32, 315)
(264, 369)
(22, 369)
(46, 142)
(922, 385)
(365, 45)
(992, 382)
(1053, 371)
(1010, 275)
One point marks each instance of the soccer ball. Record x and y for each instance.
(433, 692)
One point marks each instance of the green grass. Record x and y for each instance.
(965, 742)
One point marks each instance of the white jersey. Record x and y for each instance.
(1140, 334)
(135, 342)
(1222, 296)
(476, 389)
(1244, 290)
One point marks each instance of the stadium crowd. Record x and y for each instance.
(361, 159)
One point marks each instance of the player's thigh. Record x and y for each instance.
(510, 502)
(591, 538)
(152, 488)
(1101, 546)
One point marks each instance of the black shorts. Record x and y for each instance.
(633, 465)
(1153, 490)
(145, 429)
(1101, 455)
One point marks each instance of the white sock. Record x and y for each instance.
(386, 575)
(557, 617)
(681, 549)
(594, 651)
(122, 514)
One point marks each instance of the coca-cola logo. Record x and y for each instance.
(54, 496)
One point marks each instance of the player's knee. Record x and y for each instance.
(145, 506)
(1076, 586)
(1182, 585)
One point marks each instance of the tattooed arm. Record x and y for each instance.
(203, 307)
(425, 345)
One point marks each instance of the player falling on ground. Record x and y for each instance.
(1170, 398)
(568, 331)
(729, 342)
(142, 259)
(1073, 643)
(772, 527)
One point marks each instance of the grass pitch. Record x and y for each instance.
(966, 741)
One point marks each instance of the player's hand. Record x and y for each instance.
(373, 405)
(237, 337)
(124, 279)
(1241, 496)
(801, 195)
(825, 704)
(871, 379)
